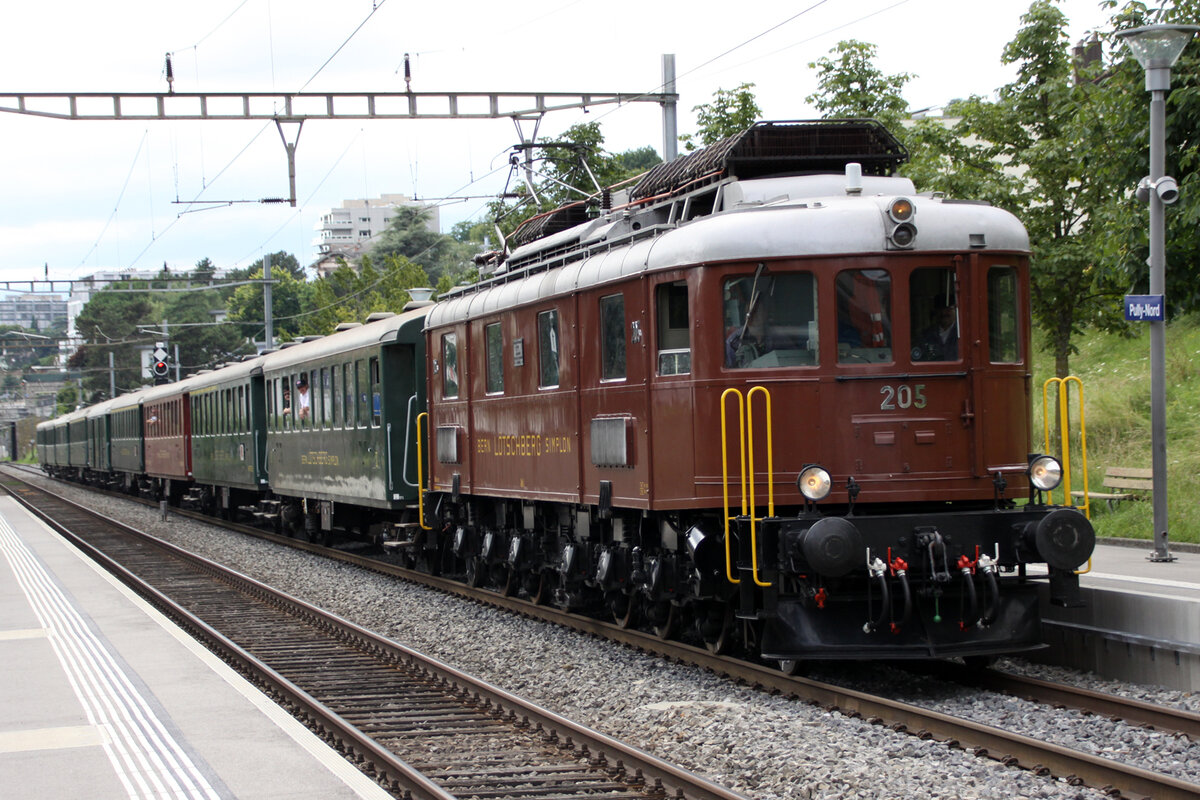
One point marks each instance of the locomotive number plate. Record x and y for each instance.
(902, 396)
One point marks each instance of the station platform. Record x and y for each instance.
(1140, 620)
(103, 697)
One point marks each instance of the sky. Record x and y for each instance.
(78, 197)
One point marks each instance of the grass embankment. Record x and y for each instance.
(1115, 372)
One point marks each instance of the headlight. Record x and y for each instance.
(901, 209)
(814, 482)
(1045, 473)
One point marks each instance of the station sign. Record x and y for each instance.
(1145, 308)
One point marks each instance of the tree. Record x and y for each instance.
(202, 342)
(731, 111)
(289, 297)
(851, 86)
(110, 323)
(350, 295)
(408, 236)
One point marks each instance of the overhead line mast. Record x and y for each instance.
(298, 107)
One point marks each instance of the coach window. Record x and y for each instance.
(612, 337)
(376, 396)
(449, 365)
(348, 396)
(360, 389)
(1004, 346)
(769, 320)
(494, 346)
(864, 316)
(933, 314)
(326, 398)
(548, 349)
(674, 331)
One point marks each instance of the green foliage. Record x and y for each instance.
(408, 236)
(350, 296)
(202, 342)
(1115, 372)
(110, 323)
(66, 400)
(731, 111)
(289, 297)
(851, 86)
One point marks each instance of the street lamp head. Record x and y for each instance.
(1157, 47)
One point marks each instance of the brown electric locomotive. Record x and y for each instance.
(770, 396)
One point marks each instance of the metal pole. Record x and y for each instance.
(112, 376)
(670, 126)
(267, 310)
(1158, 81)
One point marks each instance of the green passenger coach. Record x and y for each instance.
(341, 415)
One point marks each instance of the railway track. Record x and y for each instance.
(419, 727)
(1013, 748)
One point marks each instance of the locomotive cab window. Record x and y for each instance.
(1003, 343)
(612, 337)
(548, 349)
(933, 314)
(770, 320)
(674, 330)
(864, 316)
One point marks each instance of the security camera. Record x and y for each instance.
(1167, 189)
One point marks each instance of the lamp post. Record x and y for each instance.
(1156, 47)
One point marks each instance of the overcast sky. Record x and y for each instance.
(85, 196)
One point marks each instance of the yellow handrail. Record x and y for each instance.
(424, 415)
(746, 465)
(1064, 437)
(725, 470)
(770, 474)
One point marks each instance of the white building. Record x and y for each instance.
(354, 228)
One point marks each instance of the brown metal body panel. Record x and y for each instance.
(906, 430)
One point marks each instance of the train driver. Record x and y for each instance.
(939, 342)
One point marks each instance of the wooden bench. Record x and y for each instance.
(1135, 482)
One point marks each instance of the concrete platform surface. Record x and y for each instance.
(103, 697)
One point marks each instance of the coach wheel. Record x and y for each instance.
(717, 628)
(664, 617)
(790, 666)
(623, 608)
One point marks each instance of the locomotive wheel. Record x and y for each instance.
(475, 573)
(665, 619)
(790, 666)
(543, 593)
(623, 608)
(717, 629)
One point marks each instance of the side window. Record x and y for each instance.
(612, 337)
(449, 365)
(933, 314)
(335, 399)
(376, 395)
(361, 385)
(674, 330)
(1004, 345)
(548, 349)
(770, 320)
(326, 399)
(348, 395)
(864, 316)
(494, 347)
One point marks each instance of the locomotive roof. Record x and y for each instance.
(769, 218)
